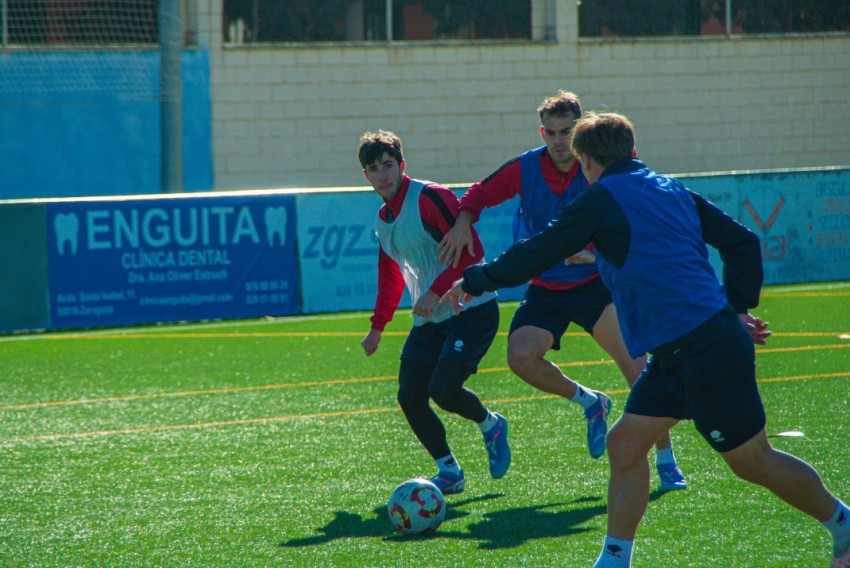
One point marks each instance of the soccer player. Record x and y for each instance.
(443, 349)
(546, 179)
(651, 234)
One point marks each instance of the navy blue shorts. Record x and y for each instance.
(465, 337)
(710, 380)
(554, 310)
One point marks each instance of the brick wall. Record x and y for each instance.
(290, 116)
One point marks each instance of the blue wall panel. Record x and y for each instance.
(88, 124)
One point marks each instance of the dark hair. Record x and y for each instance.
(560, 104)
(606, 137)
(372, 146)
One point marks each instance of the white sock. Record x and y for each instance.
(584, 397)
(664, 456)
(615, 553)
(488, 422)
(839, 524)
(448, 464)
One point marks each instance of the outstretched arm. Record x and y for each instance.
(568, 233)
(457, 239)
(501, 185)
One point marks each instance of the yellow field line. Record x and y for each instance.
(299, 334)
(791, 293)
(313, 416)
(228, 390)
(803, 348)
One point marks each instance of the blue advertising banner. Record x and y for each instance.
(338, 251)
(118, 262)
(802, 219)
(803, 232)
(339, 258)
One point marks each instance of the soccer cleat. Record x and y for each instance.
(449, 482)
(597, 425)
(498, 451)
(672, 478)
(840, 560)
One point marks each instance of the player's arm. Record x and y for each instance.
(390, 290)
(740, 251)
(439, 209)
(499, 186)
(580, 222)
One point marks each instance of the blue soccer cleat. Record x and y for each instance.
(672, 478)
(498, 450)
(449, 482)
(597, 425)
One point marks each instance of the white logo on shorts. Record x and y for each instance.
(717, 436)
(459, 345)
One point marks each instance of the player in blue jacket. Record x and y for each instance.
(570, 292)
(650, 235)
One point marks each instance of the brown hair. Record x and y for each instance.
(606, 137)
(560, 104)
(372, 146)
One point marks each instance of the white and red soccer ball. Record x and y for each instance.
(416, 507)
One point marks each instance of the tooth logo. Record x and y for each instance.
(67, 229)
(275, 218)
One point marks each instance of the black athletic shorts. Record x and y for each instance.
(709, 377)
(465, 337)
(554, 310)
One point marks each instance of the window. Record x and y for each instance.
(376, 20)
(709, 17)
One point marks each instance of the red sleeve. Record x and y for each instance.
(438, 207)
(499, 186)
(390, 289)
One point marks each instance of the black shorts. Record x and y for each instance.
(710, 380)
(554, 310)
(465, 337)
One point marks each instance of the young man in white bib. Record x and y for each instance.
(443, 349)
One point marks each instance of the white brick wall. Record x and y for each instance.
(291, 116)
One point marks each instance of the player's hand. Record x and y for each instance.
(756, 328)
(425, 305)
(456, 296)
(458, 237)
(371, 341)
(581, 257)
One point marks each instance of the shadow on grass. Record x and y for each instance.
(348, 525)
(499, 529)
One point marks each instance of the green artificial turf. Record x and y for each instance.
(277, 443)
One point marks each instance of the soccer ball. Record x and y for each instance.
(416, 507)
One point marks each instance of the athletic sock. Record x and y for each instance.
(664, 456)
(584, 397)
(488, 423)
(615, 553)
(839, 527)
(448, 464)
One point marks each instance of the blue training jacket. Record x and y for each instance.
(663, 219)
